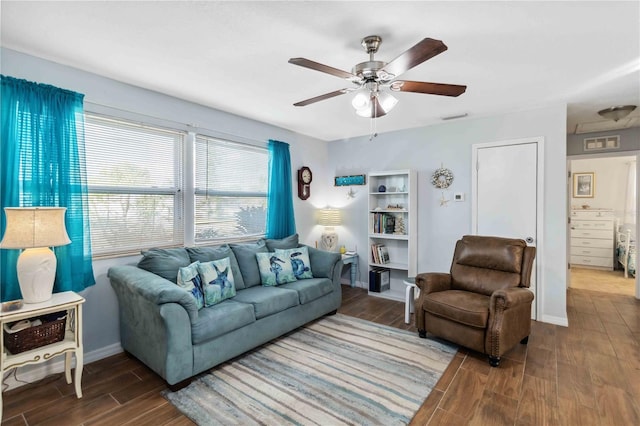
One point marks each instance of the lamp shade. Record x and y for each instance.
(30, 227)
(329, 217)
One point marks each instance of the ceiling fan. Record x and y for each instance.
(372, 77)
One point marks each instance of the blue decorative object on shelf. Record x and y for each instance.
(350, 180)
(382, 188)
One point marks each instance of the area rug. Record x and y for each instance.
(337, 370)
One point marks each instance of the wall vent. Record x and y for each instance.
(602, 143)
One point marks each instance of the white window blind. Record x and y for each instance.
(134, 174)
(230, 190)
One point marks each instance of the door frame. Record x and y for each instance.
(596, 156)
(539, 141)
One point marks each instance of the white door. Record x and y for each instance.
(507, 194)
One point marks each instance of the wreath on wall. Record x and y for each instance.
(442, 178)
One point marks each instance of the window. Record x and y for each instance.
(134, 174)
(230, 188)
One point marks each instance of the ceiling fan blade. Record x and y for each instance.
(429, 88)
(425, 49)
(322, 97)
(322, 68)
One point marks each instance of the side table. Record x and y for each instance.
(71, 344)
(409, 298)
(352, 260)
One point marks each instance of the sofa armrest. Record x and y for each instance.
(324, 264)
(152, 287)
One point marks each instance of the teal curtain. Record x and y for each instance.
(42, 164)
(281, 221)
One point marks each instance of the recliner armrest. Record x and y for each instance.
(511, 297)
(432, 282)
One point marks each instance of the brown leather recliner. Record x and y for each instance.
(483, 303)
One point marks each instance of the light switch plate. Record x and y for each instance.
(458, 196)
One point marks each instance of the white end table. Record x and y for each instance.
(71, 344)
(409, 298)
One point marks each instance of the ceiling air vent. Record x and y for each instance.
(602, 143)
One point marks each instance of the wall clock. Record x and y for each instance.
(304, 182)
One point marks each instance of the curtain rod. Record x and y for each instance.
(108, 109)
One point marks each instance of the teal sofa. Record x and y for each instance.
(161, 325)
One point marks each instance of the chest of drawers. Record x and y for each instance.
(592, 238)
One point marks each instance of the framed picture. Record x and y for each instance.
(584, 185)
(351, 180)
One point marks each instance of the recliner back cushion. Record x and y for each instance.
(485, 264)
(481, 280)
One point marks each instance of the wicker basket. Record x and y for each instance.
(34, 337)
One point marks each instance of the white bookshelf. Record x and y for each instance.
(399, 200)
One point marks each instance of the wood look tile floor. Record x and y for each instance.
(584, 374)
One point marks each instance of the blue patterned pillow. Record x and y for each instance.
(274, 270)
(189, 279)
(217, 281)
(299, 260)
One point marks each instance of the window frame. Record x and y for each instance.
(185, 192)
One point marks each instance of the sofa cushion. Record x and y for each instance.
(274, 270)
(460, 306)
(268, 300)
(246, 257)
(165, 262)
(299, 259)
(311, 289)
(189, 279)
(207, 254)
(283, 243)
(222, 318)
(217, 281)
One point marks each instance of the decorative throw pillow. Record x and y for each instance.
(299, 259)
(207, 254)
(189, 279)
(217, 281)
(274, 270)
(283, 243)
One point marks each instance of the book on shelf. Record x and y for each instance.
(382, 223)
(379, 253)
(379, 280)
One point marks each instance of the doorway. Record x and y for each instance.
(611, 197)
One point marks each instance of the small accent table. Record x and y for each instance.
(71, 344)
(409, 298)
(351, 259)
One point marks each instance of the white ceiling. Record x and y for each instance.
(233, 55)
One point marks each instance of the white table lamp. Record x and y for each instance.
(35, 229)
(329, 218)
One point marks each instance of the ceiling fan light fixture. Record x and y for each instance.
(387, 101)
(383, 101)
(616, 113)
(362, 99)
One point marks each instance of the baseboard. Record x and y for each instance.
(34, 372)
(562, 321)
